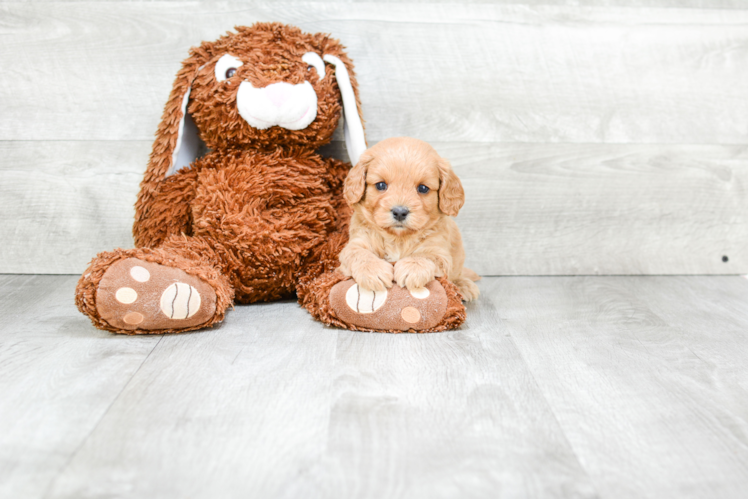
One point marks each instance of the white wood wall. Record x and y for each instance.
(601, 138)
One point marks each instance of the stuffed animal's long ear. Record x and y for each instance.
(355, 140)
(189, 146)
(451, 194)
(177, 144)
(177, 141)
(355, 182)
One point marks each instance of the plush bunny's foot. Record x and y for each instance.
(134, 294)
(396, 309)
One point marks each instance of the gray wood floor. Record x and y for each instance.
(557, 386)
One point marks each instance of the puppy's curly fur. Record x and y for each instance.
(404, 196)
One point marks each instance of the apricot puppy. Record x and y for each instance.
(404, 196)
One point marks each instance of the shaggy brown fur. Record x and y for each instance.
(271, 53)
(261, 216)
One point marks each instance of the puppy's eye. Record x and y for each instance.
(309, 68)
(381, 186)
(423, 189)
(230, 72)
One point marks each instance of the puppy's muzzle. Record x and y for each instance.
(400, 213)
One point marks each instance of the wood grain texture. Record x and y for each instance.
(681, 4)
(238, 410)
(556, 387)
(58, 377)
(553, 209)
(63, 202)
(603, 209)
(272, 404)
(441, 72)
(83, 85)
(446, 416)
(646, 375)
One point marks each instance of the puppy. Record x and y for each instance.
(404, 196)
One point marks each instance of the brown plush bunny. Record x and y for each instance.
(261, 215)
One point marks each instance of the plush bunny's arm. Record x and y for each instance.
(168, 211)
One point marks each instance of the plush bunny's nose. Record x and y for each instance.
(292, 107)
(278, 93)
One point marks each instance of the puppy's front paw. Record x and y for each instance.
(414, 272)
(373, 275)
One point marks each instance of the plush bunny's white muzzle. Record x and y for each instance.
(292, 107)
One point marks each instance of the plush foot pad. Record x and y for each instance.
(135, 294)
(396, 309)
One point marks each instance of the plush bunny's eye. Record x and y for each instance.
(314, 61)
(226, 67)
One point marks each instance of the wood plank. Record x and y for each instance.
(63, 202)
(603, 209)
(58, 377)
(564, 387)
(238, 410)
(453, 415)
(272, 404)
(681, 4)
(650, 393)
(554, 209)
(442, 72)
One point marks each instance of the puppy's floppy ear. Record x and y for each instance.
(355, 140)
(355, 183)
(451, 194)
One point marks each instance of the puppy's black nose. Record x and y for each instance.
(400, 213)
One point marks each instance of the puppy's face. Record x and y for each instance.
(403, 186)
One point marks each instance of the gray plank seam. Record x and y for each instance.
(544, 209)
(93, 428)
(488, 297)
